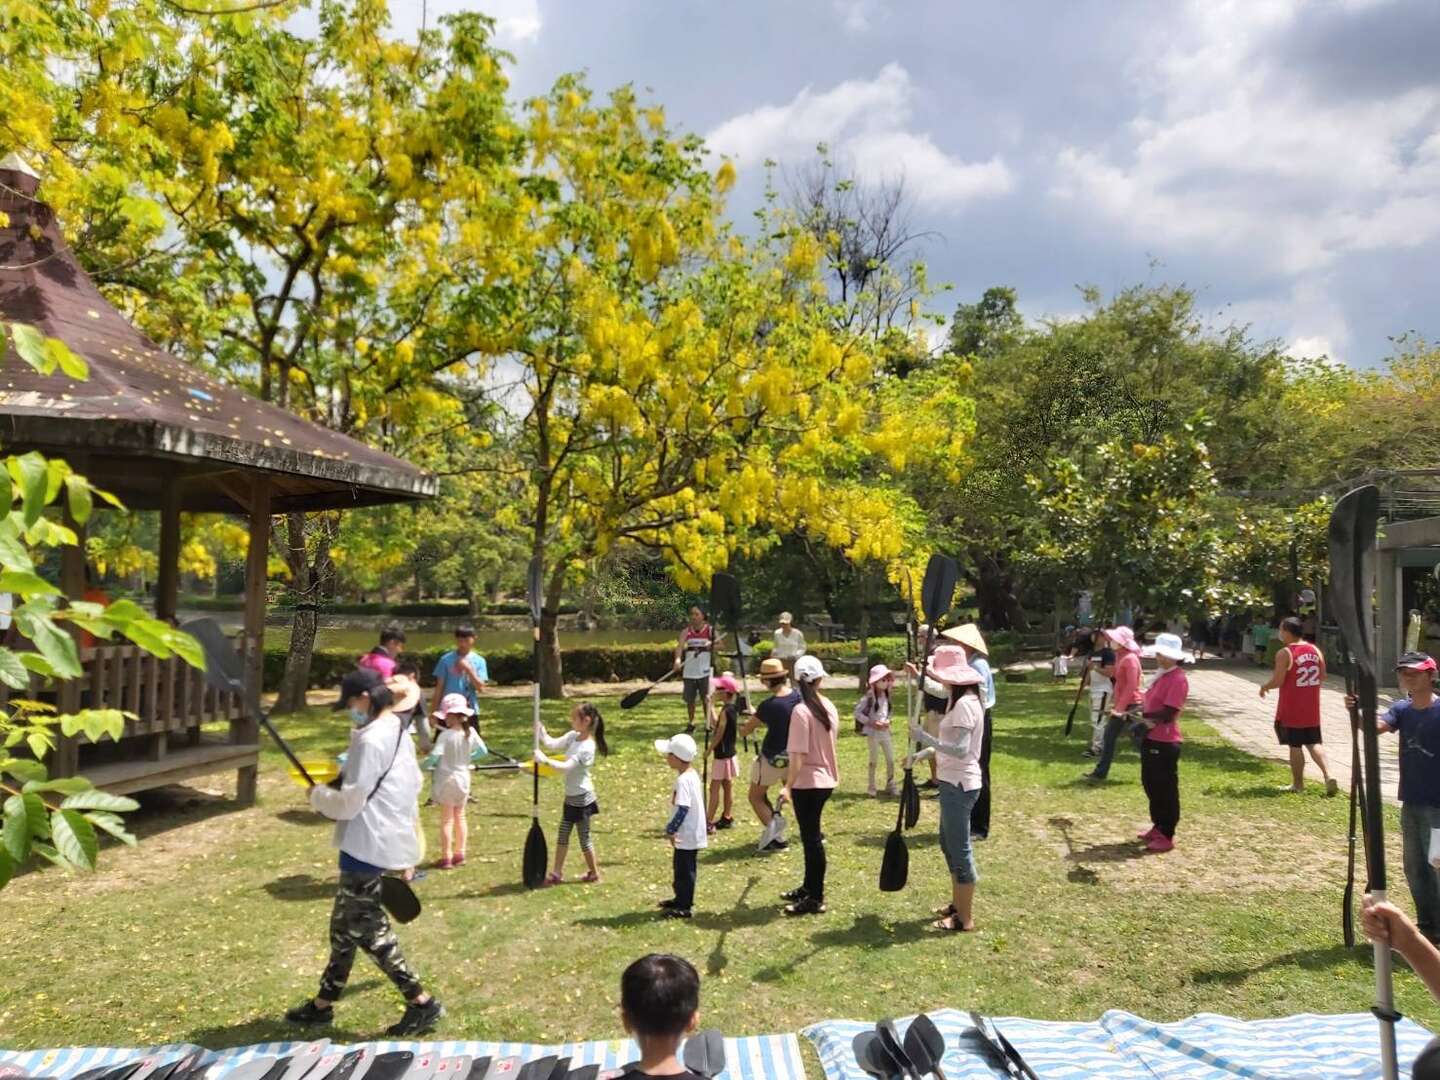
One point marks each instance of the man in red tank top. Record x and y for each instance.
(1299, 674)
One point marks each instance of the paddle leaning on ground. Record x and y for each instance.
(1352, 539)
(936, 595)
(537, 854)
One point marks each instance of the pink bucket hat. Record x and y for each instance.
(725, 684)
(1124, 638)
(949, 666)
(878, 672)
(453, 703)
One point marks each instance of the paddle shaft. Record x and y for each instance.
(1375, 849)
(285, 749)
(535, 718)
(1079, 690)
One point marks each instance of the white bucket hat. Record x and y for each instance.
(1169, 646)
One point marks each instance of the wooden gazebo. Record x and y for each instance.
(161, 435)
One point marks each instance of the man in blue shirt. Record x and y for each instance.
(460, 671)
(1417, 721)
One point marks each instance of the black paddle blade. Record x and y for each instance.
(1352, 537)
(919, 1052)
(399, 899)
(895, 865)
(533, 591)
(910, 796)
(872, 1058)
(725, 599)
(924, 1031)
(635, 697)
(223, 668)
(938, 590)
(705, 1053)
(536, 856)
(895, 1047)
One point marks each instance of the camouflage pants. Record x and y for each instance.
(358, 921)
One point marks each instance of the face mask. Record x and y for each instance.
(361, 717)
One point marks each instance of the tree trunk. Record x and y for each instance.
(552, 674)
(306, 578)
(865, 582)
(472, 601)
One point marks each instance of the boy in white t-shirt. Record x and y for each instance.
(686, 828)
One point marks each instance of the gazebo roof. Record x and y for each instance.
(144, 419)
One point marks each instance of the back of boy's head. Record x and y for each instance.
(660, 995)
(407, 667)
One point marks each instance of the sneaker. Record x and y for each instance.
(1087, 752)
(666, 905)
(725, 823)
(417, 1020)
(675, 913)
(1331, 787)
(1159, 844)
(805, 906)
(1291, 789)
(1094, 778)
(444, 864)
(1148, 835)
(776, 845)
(794, 894)
(310, 1013)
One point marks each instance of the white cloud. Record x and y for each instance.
(1229, 152)
(867, 122)
(517, 22)
(856, 15)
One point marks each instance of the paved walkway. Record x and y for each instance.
(1227, 696)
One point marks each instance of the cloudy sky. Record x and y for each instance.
(1282, 157)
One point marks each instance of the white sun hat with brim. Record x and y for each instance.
(1167, 645)
(682, 746)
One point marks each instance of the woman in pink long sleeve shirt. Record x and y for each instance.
(1126, 700)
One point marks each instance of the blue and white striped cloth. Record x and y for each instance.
(754, 1057)
(1122, 1046)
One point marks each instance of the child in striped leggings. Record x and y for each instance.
(586, 735)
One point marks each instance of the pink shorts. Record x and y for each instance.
(724, 769)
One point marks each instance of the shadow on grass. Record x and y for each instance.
(1103, 853)
(917, 838)
(1256, 791)
(277, 1030)
(741, 851)
(299, 817)
(300, 887)
(1049, 746)
(865, 932)
(1301, 959)
(718, 961)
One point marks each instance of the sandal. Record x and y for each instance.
(553, 878)
(950, 926)
(591, 877)
(945, 912)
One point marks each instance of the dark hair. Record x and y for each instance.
(957, 692)
(381, 698)
(590, 712)
(464, 630)
(1292, 625)
(695, 607)
(810, 695)
(407, 667)
(392, 634)
(660, 994)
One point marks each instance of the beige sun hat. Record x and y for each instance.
(969, 636)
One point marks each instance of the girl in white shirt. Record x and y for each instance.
(579, 744)
(450, 787)
(872, 712)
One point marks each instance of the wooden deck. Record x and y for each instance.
(124, 777)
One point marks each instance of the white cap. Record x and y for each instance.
(682, 746)
(809, 669)
(1169, 646)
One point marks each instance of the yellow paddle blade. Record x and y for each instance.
(321, 770)
(545, 770)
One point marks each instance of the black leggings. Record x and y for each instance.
(1160, 775)
(809, 805)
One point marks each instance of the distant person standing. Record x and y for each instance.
(460, 671)
(1126, 700)
(1102, 672)
(1160, 746)
(1298, 675)
(789, 642)
(977, 656)
(382, 657)
(694, 659)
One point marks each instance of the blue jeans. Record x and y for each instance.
(956, 805)
(1416, 821)
(1113, 727)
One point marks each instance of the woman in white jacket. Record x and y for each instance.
(375, 808)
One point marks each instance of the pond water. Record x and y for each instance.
(416, 640)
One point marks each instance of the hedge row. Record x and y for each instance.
(609, 663)
(443, 609)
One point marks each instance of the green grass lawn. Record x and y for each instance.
(217, 921)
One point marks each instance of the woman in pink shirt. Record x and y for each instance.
(957, 749)
(1125, 698)
(1160, 750)
(812, 775)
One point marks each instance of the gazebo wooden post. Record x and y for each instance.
(246, 728)
(167, 581)
(66, 761)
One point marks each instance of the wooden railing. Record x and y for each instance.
(163, 696)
